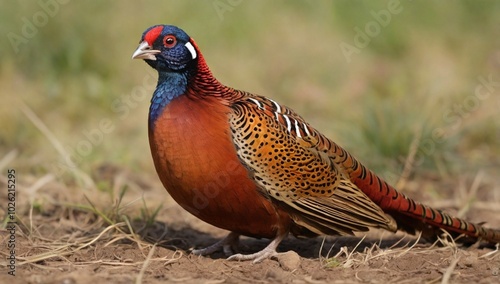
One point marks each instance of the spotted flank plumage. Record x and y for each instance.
(292, 162)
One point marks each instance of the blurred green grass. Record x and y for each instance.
(425, 61)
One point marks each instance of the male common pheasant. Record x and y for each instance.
(247, 164)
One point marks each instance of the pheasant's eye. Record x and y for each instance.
(169, 41)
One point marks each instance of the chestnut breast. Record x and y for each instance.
(197, 163)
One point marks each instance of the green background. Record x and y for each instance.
(413, 81)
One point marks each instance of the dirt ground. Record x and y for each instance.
(67, 243)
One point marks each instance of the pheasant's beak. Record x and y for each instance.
(145, 51)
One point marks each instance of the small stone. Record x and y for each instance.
(69, 280)
(470, 261)
(289, 260)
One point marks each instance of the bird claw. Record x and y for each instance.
(227, 249)
(256, 257)
(231, 241)
(267, 252)
(227, 245)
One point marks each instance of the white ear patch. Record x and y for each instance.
(191, 49)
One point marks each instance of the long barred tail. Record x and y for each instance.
(423, 218)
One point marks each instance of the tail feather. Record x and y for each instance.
(430, 220)
(423, 218)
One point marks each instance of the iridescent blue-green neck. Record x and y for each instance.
(170, 86)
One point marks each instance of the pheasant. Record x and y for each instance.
(249, 165)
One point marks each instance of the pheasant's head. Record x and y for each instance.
(166, 48)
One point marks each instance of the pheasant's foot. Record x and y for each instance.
(256, 257)
(267, 252)
(227, 245)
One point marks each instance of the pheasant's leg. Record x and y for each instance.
(267, 252)
(225, 244)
